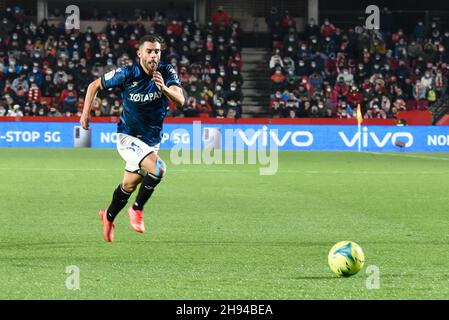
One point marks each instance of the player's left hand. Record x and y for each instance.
(157, 78)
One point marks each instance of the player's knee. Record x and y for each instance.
(128, 186)
(161, 168)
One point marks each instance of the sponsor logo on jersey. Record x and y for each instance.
(139, 97)
(110, 74)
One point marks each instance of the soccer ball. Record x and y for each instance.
(346, 258)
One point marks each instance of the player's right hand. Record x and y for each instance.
(84, 121)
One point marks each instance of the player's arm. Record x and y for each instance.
(91, 93)
(173, 92)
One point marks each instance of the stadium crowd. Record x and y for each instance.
(325, 71)
(45, 69)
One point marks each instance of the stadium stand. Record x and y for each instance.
(45, 70)
(325, 71)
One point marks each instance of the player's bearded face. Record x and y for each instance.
(150, 55)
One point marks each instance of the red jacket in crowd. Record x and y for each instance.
(220, 18)
(176, 28)
(65, 94)
(354, 98)
(327, 30)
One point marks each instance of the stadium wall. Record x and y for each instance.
(227, 133)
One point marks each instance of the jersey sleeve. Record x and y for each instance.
(171, 77)
(115, 78)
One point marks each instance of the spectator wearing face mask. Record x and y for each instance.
(354, 96)
(54, 112)
(69, 104)
(316, 81)
(312, 29)
(6, 27)
(236, 61)
(276, 60)
(419, 91)
(427, 80)
(341, 89)
(234, 93)
(234, 98)
(20, 87)
(37, 74)
(289, 64)
(343, 110)
(303, 69)
(277, 104)
(206, 94)
(204, 108)
(70, 90)
(440, 84)
(220, 112)
(194, 92)
(277, 80)
(328, 45)
(348, 77)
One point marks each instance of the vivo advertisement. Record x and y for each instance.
(229, 136)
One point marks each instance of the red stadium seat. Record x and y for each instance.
(48, 100)
(411, 104)
(423, 105)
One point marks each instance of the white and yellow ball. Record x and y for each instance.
(346, 258)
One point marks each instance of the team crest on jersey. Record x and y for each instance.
(139, 97)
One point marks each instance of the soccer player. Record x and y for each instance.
(146, 88)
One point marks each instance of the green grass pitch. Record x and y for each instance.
(224, 231)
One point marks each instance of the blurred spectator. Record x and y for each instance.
(49, 68)
(276, 60)
(277, 80)
(34, 93)
(15, 111)
(288, 22)
(220, 17)
(273, 18)
(384, 71)
(190, 108)
(327, 29)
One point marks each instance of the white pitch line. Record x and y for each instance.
(335, 172)
(407, 156)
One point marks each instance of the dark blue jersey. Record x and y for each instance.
(144, 106)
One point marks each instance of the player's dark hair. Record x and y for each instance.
(152, 38)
